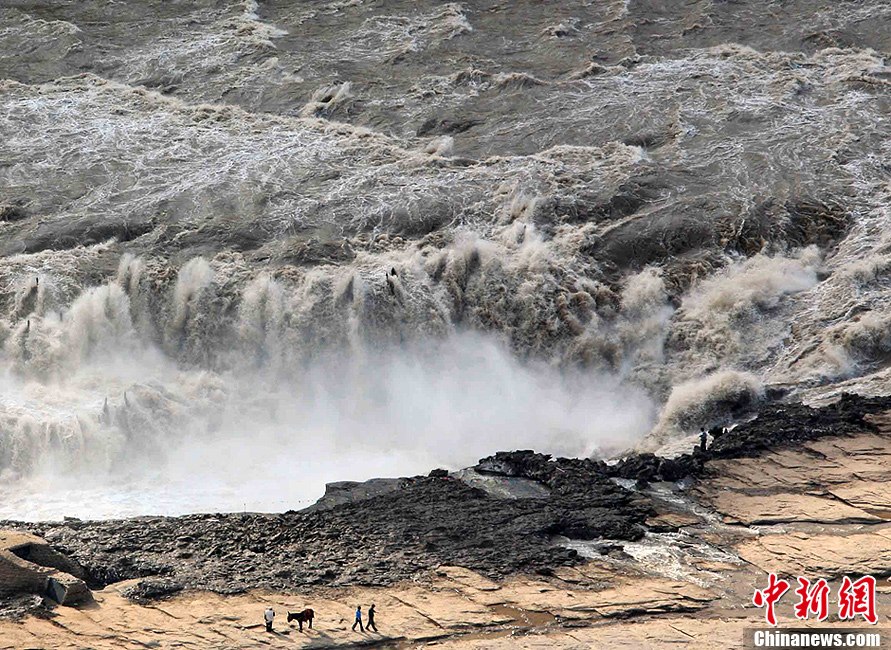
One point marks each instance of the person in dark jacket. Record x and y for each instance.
(371, 625)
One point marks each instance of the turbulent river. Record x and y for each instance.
(248, 248)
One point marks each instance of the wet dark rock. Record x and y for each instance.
(380, 540)
(151, 589)
(786, 424)
(388, 530)
(351, 491)
(639, 467)
(21, 605)
(646, 468)
(675, 469)
(777, 425)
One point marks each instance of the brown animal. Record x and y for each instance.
(305, 616)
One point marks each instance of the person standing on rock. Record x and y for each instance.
(268, 616)
(358, 620)
(371, 625)
(703, 439)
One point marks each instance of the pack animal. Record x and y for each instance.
(305, 616)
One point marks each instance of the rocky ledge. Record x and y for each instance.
(513, 513)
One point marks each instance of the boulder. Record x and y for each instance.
(342, 492)
(28, 565)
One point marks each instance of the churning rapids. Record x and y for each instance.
(249, 248)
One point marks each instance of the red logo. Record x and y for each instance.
(812, 598)
(768, 597)
(855, 598)
(858, 598)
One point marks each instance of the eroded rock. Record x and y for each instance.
(29, 566)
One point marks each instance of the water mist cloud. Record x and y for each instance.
(171, 440)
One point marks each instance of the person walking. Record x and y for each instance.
(358, 620)
(268, 616)
(370, 625)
